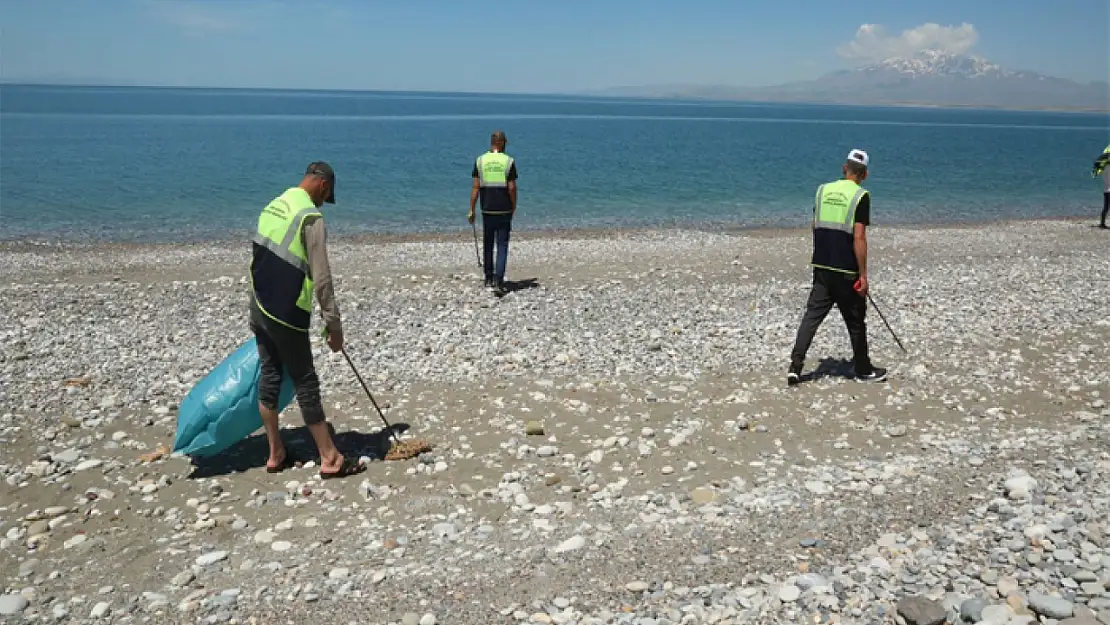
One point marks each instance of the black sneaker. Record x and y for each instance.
(878, 374)
(499, 289)
(794, 376)
(488, 283)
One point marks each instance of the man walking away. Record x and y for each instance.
(495, 183)
(1100, 168)
(289, 263)
(841, 214)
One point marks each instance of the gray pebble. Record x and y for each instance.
(13, 604)
(971, 610)
(1052, 607)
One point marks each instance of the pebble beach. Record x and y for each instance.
(614, 440)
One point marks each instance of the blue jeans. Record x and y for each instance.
(495, 229)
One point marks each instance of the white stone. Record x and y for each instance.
(75, 540)
(1020, 485)
(817, 487)
(100, 610)
(571, 544)
(211, 558)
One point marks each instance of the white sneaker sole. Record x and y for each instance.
(881, 378)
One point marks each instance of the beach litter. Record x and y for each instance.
(401, 450)
(404, 450)
(151, 456)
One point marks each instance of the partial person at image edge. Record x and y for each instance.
(1101, 167)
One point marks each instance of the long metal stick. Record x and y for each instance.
(883, 317)
(370, 395)
(477, 256)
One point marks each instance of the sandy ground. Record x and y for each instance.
(654, 362)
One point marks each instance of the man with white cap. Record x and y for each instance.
(841, 214)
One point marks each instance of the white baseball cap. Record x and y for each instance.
(859, 156)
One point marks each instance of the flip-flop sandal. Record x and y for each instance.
(287, 463)
(349, 467)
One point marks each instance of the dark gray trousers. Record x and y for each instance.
(834, 288)
(281, 347)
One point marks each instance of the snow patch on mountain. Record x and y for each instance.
(934, 63)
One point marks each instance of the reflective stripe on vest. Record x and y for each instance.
(834, 207)
(493, 169)
(280, 231)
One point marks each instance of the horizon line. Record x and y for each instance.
(602, 94)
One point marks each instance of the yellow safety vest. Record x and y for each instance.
(280, 275)
(493, 172)
(834, 209)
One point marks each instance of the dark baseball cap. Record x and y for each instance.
(322, 169)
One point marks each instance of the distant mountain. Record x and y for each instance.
(929, 78)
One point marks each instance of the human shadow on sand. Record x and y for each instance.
(251, 452)
(831, 368)
(512, 286)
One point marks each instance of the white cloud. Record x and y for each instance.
(872, 43)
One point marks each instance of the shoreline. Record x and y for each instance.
(60, 244)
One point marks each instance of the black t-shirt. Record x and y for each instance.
(835, 249)
(863, 210)
(496, 199)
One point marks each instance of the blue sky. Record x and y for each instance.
(530, 46)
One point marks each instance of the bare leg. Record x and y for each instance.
(273, 435)
(330, 458)
(281, 349)
(269, 386)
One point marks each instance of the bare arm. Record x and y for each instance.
(512, 193)
(474, 195)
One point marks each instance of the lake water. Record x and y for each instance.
(153, 164)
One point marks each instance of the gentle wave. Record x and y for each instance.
(145, 165)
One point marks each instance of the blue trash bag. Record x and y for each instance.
(222, 409)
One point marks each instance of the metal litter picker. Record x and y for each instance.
(400, 450)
